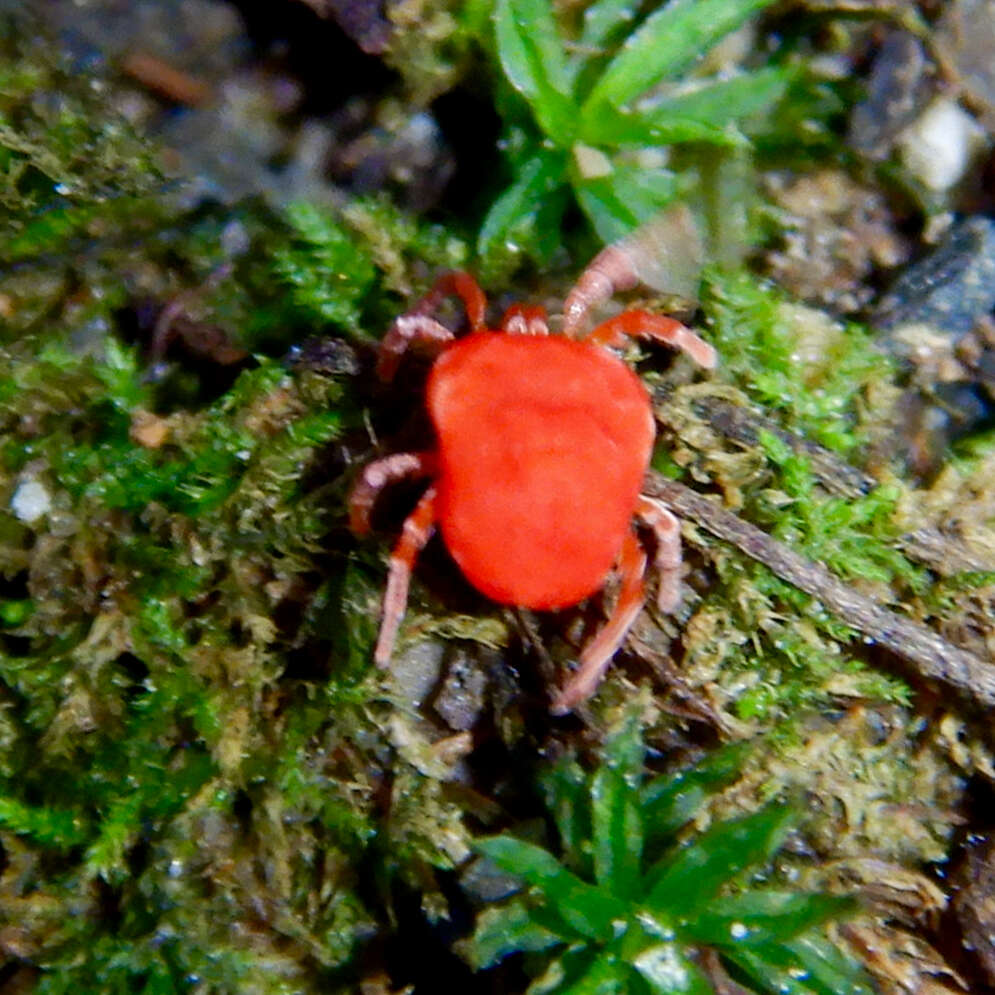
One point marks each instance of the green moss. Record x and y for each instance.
(794, 361)
(190, 737)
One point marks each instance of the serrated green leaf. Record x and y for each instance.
(690, 878)
(756, 917)
(506, 929)
(619, 203)
(671, 801)
(588, 910)
(534, 60)
(669, 41)
(526, 217)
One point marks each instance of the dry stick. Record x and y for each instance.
(933, 656)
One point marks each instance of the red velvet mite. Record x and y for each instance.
(542, 445)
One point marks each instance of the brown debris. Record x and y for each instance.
(974, 905)
(165, 80)
(836, 234)
(932, 656)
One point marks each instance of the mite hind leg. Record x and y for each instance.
(667, 561)
(598, 653)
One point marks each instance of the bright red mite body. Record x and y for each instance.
(537, 483)
(542, 445)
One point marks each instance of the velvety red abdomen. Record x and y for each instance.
(543, 445)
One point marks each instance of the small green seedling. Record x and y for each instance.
(601, 124)
(628, 908)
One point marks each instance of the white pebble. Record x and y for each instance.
(31, 500)
(939, 145)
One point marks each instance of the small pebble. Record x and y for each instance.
(31, 500)
(939, 146)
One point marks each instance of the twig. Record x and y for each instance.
(931, 654)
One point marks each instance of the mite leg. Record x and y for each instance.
(376, 476)
(521, 320)
(665, 253)
(417, 530)
(418, 325)
(406, 329)
(596, 656)
(610, 270)
(667, 561)
(643, 324)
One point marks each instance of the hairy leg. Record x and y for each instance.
(609, 271)
(417, 530)
(665, 253)
(597, 654)
(667, 561)
(645, 325)
(418, 325)
(376, 476)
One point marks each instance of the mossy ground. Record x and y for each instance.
(204, 784)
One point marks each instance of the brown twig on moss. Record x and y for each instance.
(932, 656)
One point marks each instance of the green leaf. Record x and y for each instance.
(533, 58)
(506, 929)
(588, 910)
(618, 833)
(616, 823)
(689, 878)
(723, 102)
(565, 791)
(830, 971)
(762, 916)
(668, 42)
(618, 203)
(672, 800)
(802, 967)
(526, 217)
(627, 127)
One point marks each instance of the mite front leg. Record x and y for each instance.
(417, 530)
(666, 253)
(597, 655)
(645, 325)
(406, 329)
(667, 562)
(418, 325)
(376, 476)
(610, 270)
